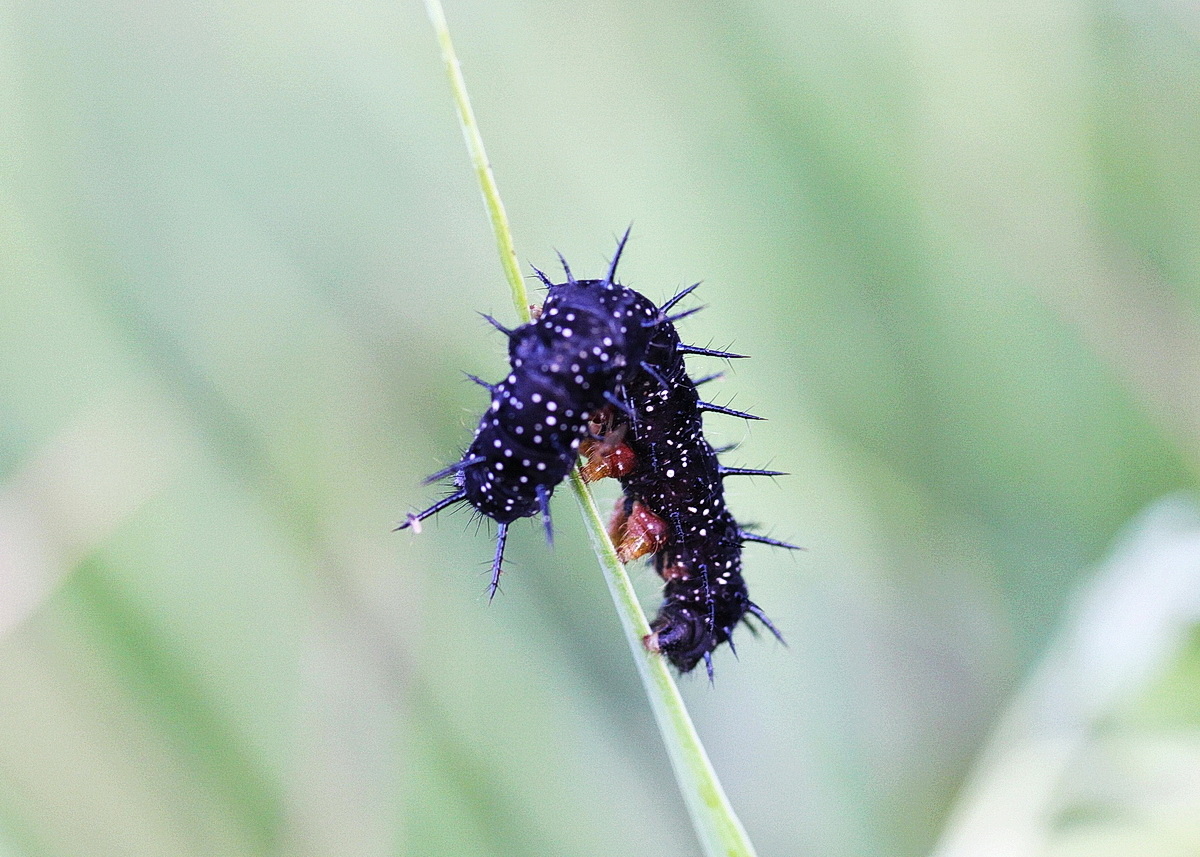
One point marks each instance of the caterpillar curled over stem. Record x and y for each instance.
(599, 372)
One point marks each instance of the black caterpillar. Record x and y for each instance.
(600, 369)
(674, 506)
(566, 365)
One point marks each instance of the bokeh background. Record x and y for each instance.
(242, 255)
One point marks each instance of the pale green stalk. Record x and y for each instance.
(717, 826)
(479, 159)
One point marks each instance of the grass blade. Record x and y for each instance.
(479, 159)
(717, 826)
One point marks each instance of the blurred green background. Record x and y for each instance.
(242, 255)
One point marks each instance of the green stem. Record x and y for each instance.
(717, 826)
(479, 159)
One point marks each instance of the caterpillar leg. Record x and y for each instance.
(603, 459)
(605, 453)
(636, 531)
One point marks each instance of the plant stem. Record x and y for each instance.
(717, 826)
(479, 159)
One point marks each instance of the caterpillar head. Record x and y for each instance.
(682, 635)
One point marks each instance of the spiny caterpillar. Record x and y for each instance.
(565, 366)
(600, 370)
(674, 502)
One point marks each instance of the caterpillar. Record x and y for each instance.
(673, 505)
(600, 372)
(565, 365)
